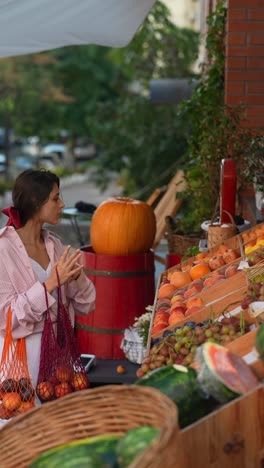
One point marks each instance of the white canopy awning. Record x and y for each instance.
(28, 26)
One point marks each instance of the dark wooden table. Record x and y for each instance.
(105, 372)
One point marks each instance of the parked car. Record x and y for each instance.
(53, 149)
(82, 151)
(2, 162)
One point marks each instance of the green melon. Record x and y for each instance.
(133, 443)
(92, 452)
(259, 341)
(180, 384)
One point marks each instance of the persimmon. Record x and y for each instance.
(199, 270)
(200, 256)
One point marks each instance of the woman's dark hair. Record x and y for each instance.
(31, 190)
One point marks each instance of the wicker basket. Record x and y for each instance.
(217, 233)
(110, 409)
(178, 244)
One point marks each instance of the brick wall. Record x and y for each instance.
(245, 59)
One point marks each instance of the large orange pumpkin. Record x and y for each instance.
(122, 226)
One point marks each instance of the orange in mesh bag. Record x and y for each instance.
(16, 389)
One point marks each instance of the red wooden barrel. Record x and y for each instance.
(172, 259)
(125, 285)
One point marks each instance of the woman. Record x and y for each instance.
(29, 258)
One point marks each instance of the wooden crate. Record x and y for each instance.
(231, 437)
(236, 243)
(226, 294)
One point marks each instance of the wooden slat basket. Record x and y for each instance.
(110, 409)
(178, 244)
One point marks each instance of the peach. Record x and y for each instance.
(231, 270)
(194, 301)
(161, 317)
(218, 278)
(197, 283)
(191, 310)
(166, 289)
(190, 292)
(175, 317)
(177, 297)
(157, 328)
(216, 262)
(165, 301)
(177, 305)
(180, 278)
(162, 309)
(180, 291)
(178, 309)
(221, 249)
(215, 273)
(164, 323)
(197, 286)
(230, 255)
(208, 282)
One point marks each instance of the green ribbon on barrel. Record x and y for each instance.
(117, 274)
(107, 331)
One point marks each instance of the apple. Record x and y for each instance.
(45, 391)
(62, 389)
(80, 381)
(64, 374)
(25, 406)
(11, 401)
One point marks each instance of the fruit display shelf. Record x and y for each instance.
(195, 300)
(243, 243)
(230, 437)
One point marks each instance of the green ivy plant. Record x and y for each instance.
(216, 129)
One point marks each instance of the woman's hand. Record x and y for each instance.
(67, 267)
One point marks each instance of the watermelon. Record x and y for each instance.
(92, 452)
(180, 384)
(133, 443)
(222, 374)
(259, 341)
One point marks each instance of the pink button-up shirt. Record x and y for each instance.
(20, 288)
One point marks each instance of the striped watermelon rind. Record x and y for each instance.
(91, 452)
(134, 442)
(222, 374)
(180, 384)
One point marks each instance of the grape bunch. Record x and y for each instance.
(255, 291)
(179, 346)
